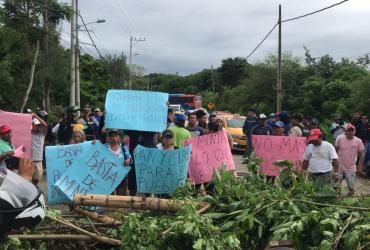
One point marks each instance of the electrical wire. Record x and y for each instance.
(268, 34)
(314, 12)
(292, 19)
(88, 32)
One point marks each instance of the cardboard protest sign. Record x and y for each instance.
(136, 110)
(96, 171)
(58, 160)
(21, 129)
(273, 148)
(209, 152)
(160, 171)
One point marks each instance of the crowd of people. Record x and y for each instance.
(326, 163)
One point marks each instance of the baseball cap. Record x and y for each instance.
(167, 132)
(97, 110)
(350, 126)
(180, 117)
(5, 129)
(279, 124)
(272, 115)
(262, 116)
(36, 121)
(314, 134)
(71, 109)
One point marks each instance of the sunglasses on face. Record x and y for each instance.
(168, 136)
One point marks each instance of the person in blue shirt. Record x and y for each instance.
(122, 152)
(262, 128)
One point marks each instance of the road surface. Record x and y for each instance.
(362, 184)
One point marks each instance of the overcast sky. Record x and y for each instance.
(189, 35)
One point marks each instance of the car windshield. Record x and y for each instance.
(235, 122)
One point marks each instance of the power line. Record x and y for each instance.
(268, 34)
(88, 32)
(292, 19)
(314, 12)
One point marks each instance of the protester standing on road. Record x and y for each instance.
(38, 133)
(262, 128)
(166, 141)
(319, 158)
(96, 120)
(170, 118)
(249, 123)
(356, 121)
(297, 125)
(180, 133)
(65, 129)
(337, 127)
(122, 153)
(202, 119)
(193, 128)
(6, 147)
(364, 129)
(279, 128)
(86, 120)
(349, 148)
(78, 135)
(285, 118)
(314, 123)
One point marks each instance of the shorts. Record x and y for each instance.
(350, 179)
(39, 171)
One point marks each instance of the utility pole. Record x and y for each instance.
(77, 58)
(46, 99)
(279, 90)
(213, 86)
(72, 96)
(129, 68)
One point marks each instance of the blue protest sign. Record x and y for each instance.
(97, 171)
(136, 110)
(58, 160)
(161, 171)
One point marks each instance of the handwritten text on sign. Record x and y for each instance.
(58, 160)
(136, 110)
(209, 152)
(160, 171)
(273, 148)
(21, 129)
(96, 171)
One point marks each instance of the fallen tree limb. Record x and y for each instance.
(98, 217)
(134, 202)
(49, 237)
(333, 205)
(102, 239)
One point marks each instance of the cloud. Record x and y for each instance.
(188, 36)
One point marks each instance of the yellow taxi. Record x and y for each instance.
(234, 126)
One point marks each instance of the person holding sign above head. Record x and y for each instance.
(279, 128)
(319, 158)
(38, 133)
(122, 152)
(179, 132)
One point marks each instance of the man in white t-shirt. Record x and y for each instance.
(39, 129)
(349, 147)
(319, 158)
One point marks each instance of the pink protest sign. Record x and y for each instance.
(274, 148)
(21, 129)
(209, 152)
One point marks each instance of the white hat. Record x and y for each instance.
(262, 116)
(36, 121)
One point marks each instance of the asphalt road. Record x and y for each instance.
(362, 184)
